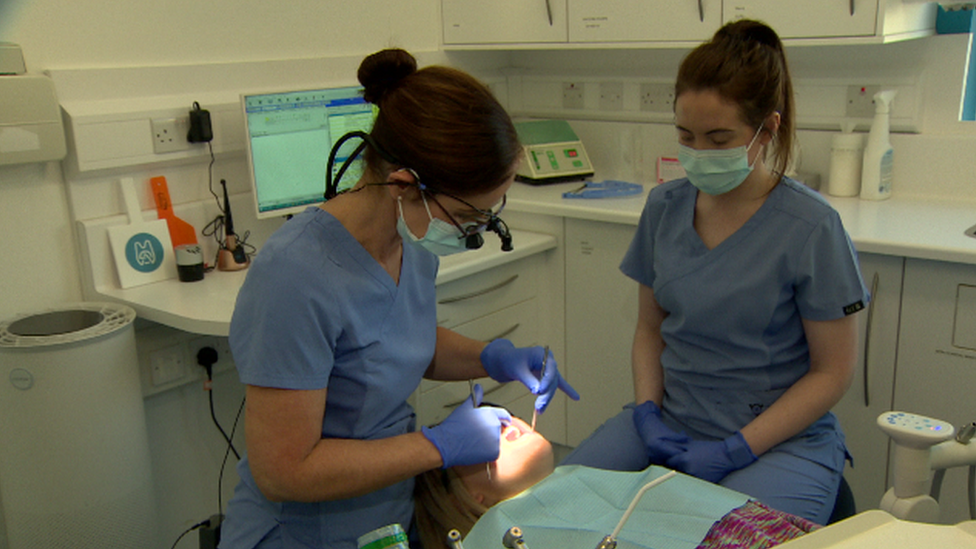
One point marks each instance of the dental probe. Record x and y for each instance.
(542, 374)
(487, 464)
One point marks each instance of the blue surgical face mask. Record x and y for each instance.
(717, 171)
(441, 237)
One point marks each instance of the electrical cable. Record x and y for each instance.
(190, 529)
(213, 415)
(220, 478)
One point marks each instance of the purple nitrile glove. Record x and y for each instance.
(661, 442)
(471, 434)
(504, 362)
(714, 459)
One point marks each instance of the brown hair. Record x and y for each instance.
(443, 503)
(441, 122)
(745, 63)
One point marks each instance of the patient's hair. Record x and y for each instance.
(443, 503)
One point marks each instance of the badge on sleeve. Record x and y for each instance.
(853, 307)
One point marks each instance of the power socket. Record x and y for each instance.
(224, 362)
(611, 96)
(169, 134)
(860, 101)
(657, 97)
(573, 96)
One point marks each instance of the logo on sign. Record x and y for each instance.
(144, 252)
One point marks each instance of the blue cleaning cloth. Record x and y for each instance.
(577, 506)
(605, 189)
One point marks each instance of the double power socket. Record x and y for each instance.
(610, 95)
(168, 358)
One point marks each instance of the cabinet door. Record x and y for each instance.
(808, 18)
(643, 20)
(871, 389)
(601, 313)
(503, 21)
(937, 357)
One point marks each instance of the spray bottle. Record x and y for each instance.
(878, 155)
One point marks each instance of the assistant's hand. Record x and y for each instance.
(661, 442)
(504, 362)
(471, 434)
(713, 460)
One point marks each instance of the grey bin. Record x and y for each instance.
(75, 468)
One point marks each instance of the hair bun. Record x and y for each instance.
(382, 71)
(746, 31)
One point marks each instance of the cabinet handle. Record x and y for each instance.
(477, 293)
(701, 10)
(852, 7)
(506, 332)
(486, 393)
(867, 338)
(549, 11)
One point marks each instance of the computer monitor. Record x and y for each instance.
(289, 137)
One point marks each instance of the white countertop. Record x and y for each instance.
(205, 307)
(911, 227)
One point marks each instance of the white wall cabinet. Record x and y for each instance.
(503, 21)
(601, 313)
(546, 23)
(870, 394)
(643, 21)
(835, 19)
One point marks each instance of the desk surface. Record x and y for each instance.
(910, 227)
(205, 307)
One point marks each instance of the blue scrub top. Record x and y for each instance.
(317, 311)
(734, 334)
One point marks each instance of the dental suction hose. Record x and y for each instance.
(512, 539)
(454, 539)
(610, 541)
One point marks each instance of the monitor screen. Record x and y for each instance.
(289, 137)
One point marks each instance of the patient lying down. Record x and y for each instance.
(575, 506)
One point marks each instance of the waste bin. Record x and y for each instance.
(74, 453)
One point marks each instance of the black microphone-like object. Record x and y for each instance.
(231, 256)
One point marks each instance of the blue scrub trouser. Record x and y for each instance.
(780, 480)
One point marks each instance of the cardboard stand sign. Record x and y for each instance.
(142, 250)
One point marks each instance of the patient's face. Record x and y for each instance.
(524, 458)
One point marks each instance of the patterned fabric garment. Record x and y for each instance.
(755, 526)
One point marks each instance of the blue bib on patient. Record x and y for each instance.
(577, 506)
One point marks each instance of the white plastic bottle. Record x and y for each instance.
(846, 156)
(876, 171)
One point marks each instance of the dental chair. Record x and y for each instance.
(844, 504)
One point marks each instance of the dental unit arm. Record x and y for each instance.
(923, 445)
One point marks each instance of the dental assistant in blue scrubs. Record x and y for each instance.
(335, 324)
(746, 333)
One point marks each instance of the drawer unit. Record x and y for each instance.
(482, 293)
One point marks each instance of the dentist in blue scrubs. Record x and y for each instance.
(335, 324)
(746, 334)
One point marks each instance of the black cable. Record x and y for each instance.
(210, 177)
(220, 478)
(190, 529)
(214, 415)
